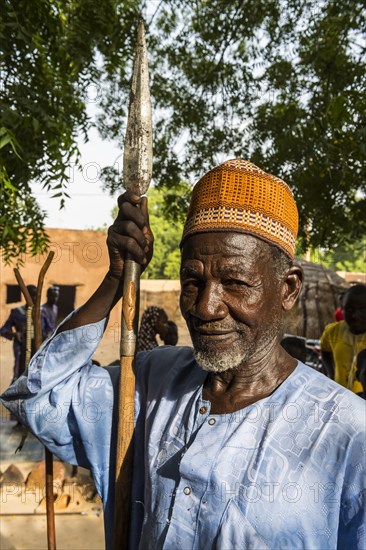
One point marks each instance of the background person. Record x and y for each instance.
(361, 371)
(154, 321)
(342, 341)
(338, 314)
(171, 336)
(49, 311)
(14, 329)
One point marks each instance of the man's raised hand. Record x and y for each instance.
(130, 233)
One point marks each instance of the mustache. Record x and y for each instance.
(213, 325)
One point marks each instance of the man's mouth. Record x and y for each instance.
(213, 328)
(213, 332)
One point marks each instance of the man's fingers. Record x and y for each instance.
(128, 228)
(131, 231)
(144, 210)
(135, 251)
(124, 243)
(129, 211)
(128, 196)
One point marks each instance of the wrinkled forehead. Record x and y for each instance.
(227, 244)
(227, 254)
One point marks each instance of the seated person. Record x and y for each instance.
(361, 372)
(154, 321)
(171, 336)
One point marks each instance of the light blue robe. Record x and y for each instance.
(287, 472)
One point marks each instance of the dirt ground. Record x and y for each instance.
(72, 533)
(78, 511)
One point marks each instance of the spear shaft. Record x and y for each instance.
(51, 528)
(137, 171)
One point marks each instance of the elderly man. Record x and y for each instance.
(237, 445)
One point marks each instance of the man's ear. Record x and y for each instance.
(292, 286)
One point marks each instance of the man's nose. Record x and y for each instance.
(209, 304)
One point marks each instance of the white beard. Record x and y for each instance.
(214, 361)
(238, 354)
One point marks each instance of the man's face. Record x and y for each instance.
(33, 294)
(230, 299)
(354, 309)
(53, 296)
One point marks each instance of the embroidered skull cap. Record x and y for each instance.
(238, 196)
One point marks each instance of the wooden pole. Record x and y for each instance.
(137, 171)
(36, 309)
(50, 510)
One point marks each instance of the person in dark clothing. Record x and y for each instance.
(49, 311)
(171, 337)
(154, 321)
(14, 329)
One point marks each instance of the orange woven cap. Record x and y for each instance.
(238, 196)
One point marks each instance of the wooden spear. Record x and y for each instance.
(36, 309)
(137, 171)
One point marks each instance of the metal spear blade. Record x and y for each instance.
(137, 157)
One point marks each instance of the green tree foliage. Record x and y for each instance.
(280, 82)
(21, 219)
(344, 257)
(349, 257)
(165, 262)
(52, 52)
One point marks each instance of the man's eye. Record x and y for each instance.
(235, 283)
